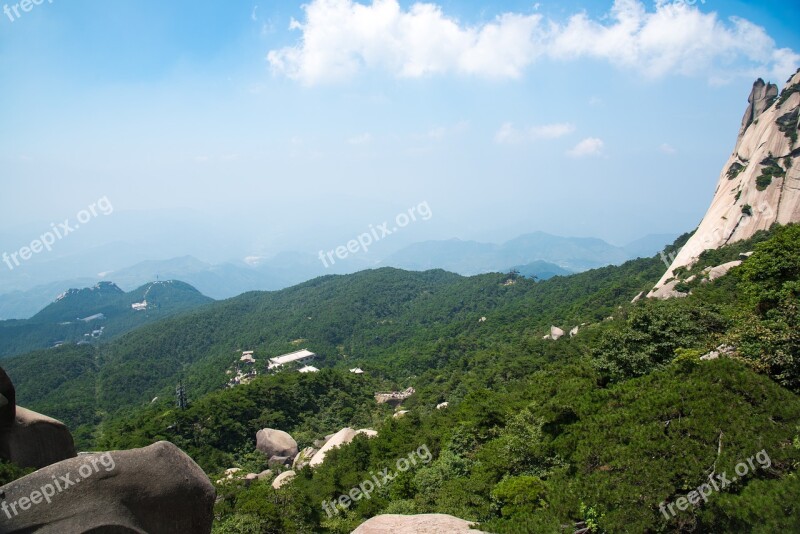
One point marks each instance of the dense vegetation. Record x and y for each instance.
(597, 429)
(68, 320)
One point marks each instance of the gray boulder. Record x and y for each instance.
(156, 489)
(279, 460)
(8, 400)
(35, 440)
(276, 443)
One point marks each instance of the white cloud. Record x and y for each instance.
(342, 37)
(591, 146)
(438, 133)
(668, 149)
(361, 139)
(508, 134)
(253, 15)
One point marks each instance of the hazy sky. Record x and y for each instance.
(296, 125)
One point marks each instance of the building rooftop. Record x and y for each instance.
(291, 357)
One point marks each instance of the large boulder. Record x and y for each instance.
(282, 479)
(156, 489)
(342, 437)
(721, 270)
(414, 524)
(8, 400)
(35, 440)
(276, 443)
(275, 461)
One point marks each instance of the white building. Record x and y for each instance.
(301, 356)
(309, 369)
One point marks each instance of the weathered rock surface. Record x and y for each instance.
(279, 460)
(759, 184)
(761, 96)
(574, 331)
(276, 443)
(414, 524)
(8, 400)
(342, 437)
(156, 489)
(282, 479)
(722, 270)
(35, 440)
(303, 458)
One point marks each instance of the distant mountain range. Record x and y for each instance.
(103, 311)
(562, 255)
(537, 254)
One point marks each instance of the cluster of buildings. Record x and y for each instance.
(245, 369)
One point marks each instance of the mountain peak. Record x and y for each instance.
(760, 183)
(762, 96)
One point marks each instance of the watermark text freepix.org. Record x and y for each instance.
(376, 233)
(57, 231)
(60, 483)
(716, 482)
(365, 489)
(13, 12)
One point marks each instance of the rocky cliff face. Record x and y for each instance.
(760, 183)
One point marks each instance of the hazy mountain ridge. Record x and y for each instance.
(573, 254)
(101, 312)
(537, 254)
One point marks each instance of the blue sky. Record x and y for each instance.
(295, 127)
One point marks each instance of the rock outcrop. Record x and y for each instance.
(282, 479)
(414, 524)
(393, 397)
(722, 270)
(342, 437)
(276, 443)
(760, 183)
(8, 400)
(35, 440)
(303, 458)
(156, 489)
(761, 97)
(555, 333)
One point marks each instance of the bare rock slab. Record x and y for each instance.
(35, 440)
(414, 524)
(156, 490)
